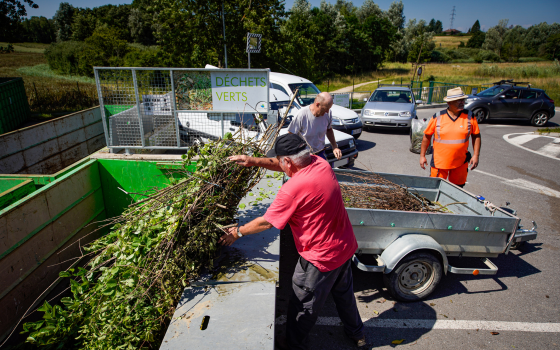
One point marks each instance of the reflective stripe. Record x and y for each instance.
(438, 129)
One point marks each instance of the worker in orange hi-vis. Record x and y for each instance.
(452, 127)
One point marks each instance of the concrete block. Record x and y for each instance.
(43, 151)
(12, 164)
(93, 130)
(74, 154)
(91, 115)
(48, 166)
(68, 124)
(9, 143)
(72, 139)
(36, 134)
(26, 218)
(96, 143)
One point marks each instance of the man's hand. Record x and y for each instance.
(231, 235)
(473, 163)
(337, 153)
(423, 162)
(242, 160)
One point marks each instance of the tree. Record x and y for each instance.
(553, 47)
(438, 29)
(417, 37)
(140, 27)
(432, 25)
(63, 19)
(395, 14)
(476, 27)
(11, 13)
(38, 30)
(495, 37)
(476, 40)
(83, 24)
(368, 9)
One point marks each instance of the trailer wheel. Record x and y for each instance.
(414, 278)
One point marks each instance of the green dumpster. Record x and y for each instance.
(14, 107)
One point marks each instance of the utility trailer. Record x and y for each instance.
(411, 248)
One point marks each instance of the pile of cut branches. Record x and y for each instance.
(126, 295)
(372, 191)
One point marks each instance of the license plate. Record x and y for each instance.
(338, 163)
(356, 131)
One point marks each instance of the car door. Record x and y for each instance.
(506, 104)
(529, 102)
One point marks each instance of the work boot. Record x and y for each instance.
(360, 343)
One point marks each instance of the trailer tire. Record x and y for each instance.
(415, 277)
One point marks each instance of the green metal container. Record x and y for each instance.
(42, 217)
(14, 107)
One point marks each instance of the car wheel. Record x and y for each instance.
(540, 118)
(480, 114)
(357, 136)
(415, 277)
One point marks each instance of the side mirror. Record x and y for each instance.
(419, 102)
(365, 99)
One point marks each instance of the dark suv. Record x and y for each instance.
(506, 99)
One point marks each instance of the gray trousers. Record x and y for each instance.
(311, 288)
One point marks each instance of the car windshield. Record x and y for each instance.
(493, 91)
(247, 120)
(306, 94)
(395, 96)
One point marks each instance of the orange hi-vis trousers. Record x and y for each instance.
(457, 176)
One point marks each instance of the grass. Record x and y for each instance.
(450, 41)
(49, 94)
(548, 130)
(27, 47)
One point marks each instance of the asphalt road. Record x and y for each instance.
(521, 302)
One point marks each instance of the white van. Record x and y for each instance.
(344, 119)
(199, 128)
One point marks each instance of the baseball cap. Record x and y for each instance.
(287, 145)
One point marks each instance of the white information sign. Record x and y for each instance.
(342, 100)
(239, 91)
(156, 104)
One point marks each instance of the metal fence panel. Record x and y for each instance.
(166, 108)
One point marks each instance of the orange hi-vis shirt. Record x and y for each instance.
(451, 138)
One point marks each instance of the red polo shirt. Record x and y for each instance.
(311, 202)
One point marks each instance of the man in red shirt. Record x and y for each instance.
(311, 202)
(452, 128)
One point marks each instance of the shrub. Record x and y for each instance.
(70, 57)
(439, 56)
(143, 56)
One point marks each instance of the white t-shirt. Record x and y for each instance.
(312, 129)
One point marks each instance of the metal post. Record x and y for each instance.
(108, 140)
(249, 59)
(351, 99)
(224, 24)
(174, 106)
(430, 93)
(223, 134)
(138, 107)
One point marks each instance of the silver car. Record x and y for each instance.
(390, 106)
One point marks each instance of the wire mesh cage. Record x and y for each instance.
(170, 108)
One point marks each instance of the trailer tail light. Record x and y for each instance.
(475, 272)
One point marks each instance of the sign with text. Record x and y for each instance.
(342, 100)
(241, 91)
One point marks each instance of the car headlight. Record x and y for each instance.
(336, 121)
(405, 114)
(351, 143)
(368, 112)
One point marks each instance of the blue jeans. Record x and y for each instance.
(321, 154)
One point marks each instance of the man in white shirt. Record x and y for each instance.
(313, 122)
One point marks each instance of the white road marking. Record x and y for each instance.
(518, 141)
(534, 327)
(524, 184)
(551, 149)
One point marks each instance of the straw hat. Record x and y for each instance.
(455, 94)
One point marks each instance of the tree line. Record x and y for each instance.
(314, 42)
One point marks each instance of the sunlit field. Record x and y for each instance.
(450, 41)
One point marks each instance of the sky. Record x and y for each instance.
(488, 12)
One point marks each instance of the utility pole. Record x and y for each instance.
(452, 18)
(224, 25)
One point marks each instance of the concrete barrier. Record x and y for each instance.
(48, 147)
